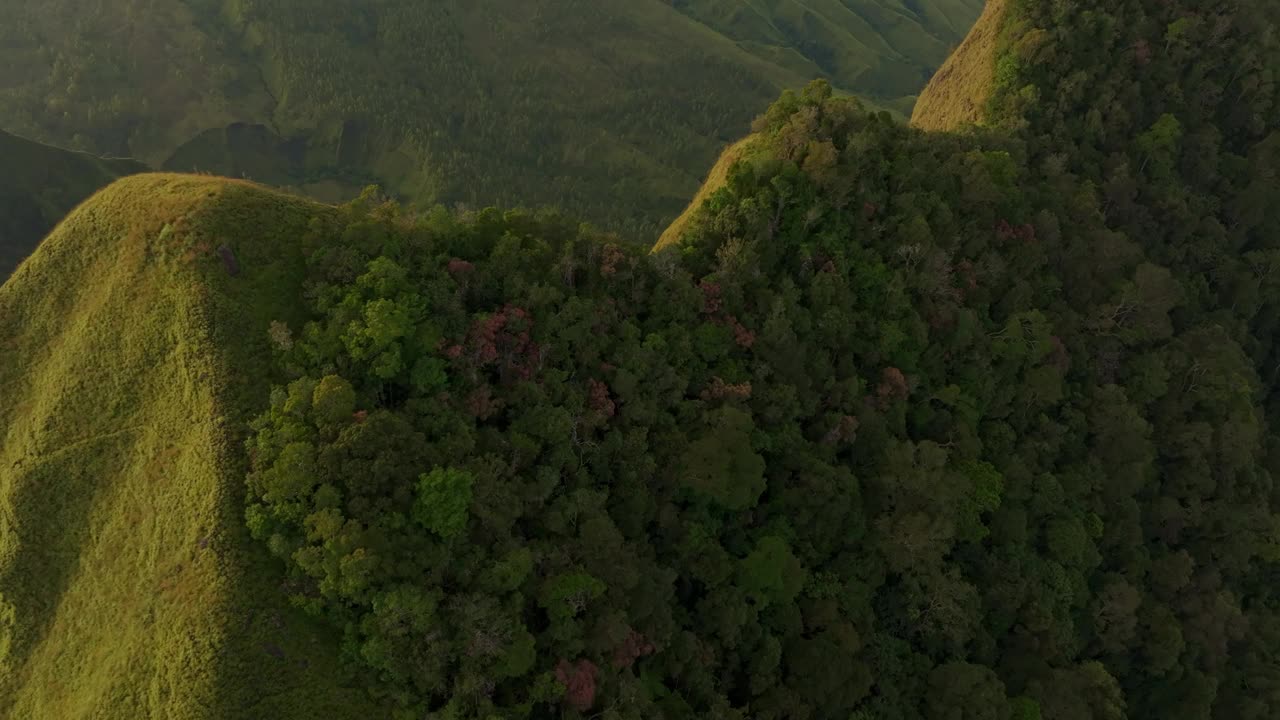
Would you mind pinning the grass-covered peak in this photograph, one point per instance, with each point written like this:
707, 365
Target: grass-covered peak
131, 356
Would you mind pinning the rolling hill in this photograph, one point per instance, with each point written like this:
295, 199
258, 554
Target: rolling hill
970, 419
41, 185
609, 108
957, 94
128, 588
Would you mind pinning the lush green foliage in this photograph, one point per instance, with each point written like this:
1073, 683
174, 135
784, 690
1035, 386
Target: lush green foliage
39, 186
907, 425
612, 109
899, 425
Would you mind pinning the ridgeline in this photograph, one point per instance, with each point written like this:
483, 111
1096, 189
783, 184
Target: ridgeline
610, 109
966, 419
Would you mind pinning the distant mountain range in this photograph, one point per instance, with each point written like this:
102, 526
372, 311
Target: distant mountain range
609, 108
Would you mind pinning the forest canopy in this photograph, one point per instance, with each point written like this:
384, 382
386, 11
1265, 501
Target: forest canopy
941, 425
964, 424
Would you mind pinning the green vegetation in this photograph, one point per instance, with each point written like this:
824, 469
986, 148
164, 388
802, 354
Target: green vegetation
882, 50
128, 587
958, 93
925, 403
892, 424
611, 109
40, 185
740, 151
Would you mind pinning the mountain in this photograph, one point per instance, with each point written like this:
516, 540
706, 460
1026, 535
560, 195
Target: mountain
958, 92
127, 584
882, 50
41, 185
955, 96
973, 422
609, 108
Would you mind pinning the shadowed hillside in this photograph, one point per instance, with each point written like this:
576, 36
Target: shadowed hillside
39, 186
883, 50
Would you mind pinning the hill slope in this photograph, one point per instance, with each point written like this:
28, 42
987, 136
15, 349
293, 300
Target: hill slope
957, 94
610, 108
883, 50
1138, 142
41, 184
903, 425
126, 586
735, 153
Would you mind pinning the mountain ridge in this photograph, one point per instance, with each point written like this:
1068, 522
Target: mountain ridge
134, 594
610, 109
980, 412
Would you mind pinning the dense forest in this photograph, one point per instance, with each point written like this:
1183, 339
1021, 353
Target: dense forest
966, 423
956, 425
611, 109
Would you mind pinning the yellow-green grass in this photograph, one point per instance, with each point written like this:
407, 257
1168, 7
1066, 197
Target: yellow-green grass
716, 179
129, 361
958, 93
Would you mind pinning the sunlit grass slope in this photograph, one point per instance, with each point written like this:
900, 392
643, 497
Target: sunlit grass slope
736, 152
956, 95
958, 92
128, 585
39, 185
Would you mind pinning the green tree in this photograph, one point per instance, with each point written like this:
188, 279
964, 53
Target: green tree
721, 466
443, 501
771, 573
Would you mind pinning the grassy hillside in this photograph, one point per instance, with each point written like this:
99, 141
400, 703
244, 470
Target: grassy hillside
127, 586
40, 185
735, 153
958, 93
609, 108
955, 96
